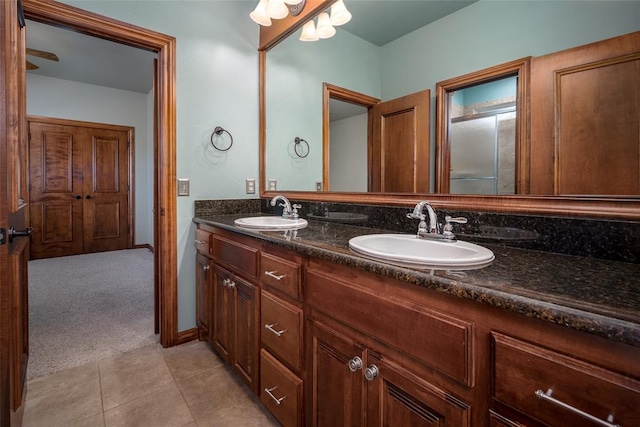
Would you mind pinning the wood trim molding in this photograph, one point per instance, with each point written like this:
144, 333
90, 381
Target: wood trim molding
189, 335
92, 24
144, 246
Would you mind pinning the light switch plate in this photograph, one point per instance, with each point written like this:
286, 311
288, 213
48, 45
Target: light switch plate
183, 186
272, 185
250, 186
318, 186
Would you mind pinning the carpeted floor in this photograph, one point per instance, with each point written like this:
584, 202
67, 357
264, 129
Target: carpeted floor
84, 308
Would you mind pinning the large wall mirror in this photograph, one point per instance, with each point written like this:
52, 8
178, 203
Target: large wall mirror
388, 51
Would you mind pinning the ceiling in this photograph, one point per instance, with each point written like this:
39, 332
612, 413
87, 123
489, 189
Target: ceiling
100, 62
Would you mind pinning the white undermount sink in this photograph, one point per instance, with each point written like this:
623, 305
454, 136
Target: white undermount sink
271, 223
409, 250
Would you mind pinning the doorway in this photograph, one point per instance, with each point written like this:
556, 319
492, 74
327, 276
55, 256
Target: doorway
164, 217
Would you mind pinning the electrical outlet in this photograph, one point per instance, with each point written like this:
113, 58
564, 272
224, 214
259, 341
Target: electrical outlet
183, 186
318, 186
251, 186
272, 185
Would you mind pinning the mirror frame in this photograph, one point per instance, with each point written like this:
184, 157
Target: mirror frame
625, 208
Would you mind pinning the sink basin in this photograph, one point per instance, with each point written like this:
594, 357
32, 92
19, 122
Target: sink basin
409, 250
343, 217
271, 223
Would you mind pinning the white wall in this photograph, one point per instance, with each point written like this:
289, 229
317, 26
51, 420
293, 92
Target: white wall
348, 154
65, 99
216, 85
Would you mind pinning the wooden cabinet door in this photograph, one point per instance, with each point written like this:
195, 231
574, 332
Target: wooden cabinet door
57, 194
105, 156
336, 392
395, 397
245, 330
204, 295
221, 337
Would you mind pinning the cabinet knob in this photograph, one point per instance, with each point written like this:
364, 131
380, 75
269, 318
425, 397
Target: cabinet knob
371, 373
355, 364
206, 267
228, 283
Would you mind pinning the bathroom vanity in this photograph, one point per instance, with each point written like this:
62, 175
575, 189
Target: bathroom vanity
326, 337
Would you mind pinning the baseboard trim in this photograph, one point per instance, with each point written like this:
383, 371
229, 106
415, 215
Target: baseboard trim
145, 246
187, 336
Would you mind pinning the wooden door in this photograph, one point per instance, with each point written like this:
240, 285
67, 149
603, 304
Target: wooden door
80, 187
336, 392
245, 330
105, 155
222, 313
14, 324
399, 151
396, 397
585, 119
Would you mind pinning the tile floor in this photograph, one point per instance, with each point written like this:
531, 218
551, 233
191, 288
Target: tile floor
187, 385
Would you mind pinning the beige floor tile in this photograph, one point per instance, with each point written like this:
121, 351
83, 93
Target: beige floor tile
132, 375
194, 358
213, 390
251, 414
59, 399
166, 407
95, 421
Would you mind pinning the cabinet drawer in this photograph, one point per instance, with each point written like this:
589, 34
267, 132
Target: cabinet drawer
436, 339
521, 368
242, 258
282, 329
202, 241
280, 391
281, 275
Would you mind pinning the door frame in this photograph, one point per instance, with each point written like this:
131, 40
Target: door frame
165, 212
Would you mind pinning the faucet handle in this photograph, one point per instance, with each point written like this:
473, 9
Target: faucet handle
294, 210
448, 227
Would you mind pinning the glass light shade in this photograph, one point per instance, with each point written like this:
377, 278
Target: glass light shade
325, 29
277, 9
293, 2
339, 13
259, 14
309, 32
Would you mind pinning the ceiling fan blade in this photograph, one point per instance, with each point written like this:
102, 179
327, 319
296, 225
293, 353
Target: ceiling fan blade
42, 54
31, 66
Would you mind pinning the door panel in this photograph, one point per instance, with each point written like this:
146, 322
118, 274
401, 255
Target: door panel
399, 154
55, 170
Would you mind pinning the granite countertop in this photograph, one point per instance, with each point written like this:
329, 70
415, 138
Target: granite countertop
590, 295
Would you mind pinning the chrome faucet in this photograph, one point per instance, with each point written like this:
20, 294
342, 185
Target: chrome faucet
288, 210
432, 230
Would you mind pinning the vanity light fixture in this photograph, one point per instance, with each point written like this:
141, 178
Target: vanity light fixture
266, 10
325, 28
309, 33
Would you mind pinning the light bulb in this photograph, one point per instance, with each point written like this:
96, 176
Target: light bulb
259, 14
277, 9
339, 13
293, 2
325, 29
309, 32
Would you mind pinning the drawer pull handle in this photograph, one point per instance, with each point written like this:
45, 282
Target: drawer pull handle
275, 399
547, 396
276, 333
200, 242
274, 275
355, 364
371, 373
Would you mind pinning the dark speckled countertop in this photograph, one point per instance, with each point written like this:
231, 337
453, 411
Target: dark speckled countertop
591, 295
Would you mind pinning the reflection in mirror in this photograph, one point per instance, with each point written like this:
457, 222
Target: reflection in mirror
482, 136
348, 130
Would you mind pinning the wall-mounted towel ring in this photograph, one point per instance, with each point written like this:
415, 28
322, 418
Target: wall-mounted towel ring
299, 148
217, 132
